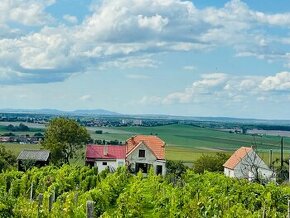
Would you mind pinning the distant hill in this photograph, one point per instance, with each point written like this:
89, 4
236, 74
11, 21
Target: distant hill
60, 112
95, 112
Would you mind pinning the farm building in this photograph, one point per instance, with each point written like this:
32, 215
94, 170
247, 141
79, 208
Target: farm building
246, 163
29, 158
139, 153
105, 156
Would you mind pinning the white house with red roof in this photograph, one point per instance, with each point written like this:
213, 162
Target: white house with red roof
145, 151
139, 153
106, 156
246, 163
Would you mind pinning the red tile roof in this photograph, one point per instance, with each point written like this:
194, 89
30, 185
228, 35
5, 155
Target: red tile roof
153, 142
114, 152
239, 154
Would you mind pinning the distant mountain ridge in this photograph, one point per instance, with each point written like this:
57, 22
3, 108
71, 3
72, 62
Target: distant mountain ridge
102, 112
60, 112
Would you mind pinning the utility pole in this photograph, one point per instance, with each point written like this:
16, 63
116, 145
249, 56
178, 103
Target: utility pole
270, 158
282, 150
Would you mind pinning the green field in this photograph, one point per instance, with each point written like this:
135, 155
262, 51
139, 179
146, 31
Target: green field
17, 148
188, 143
185, 142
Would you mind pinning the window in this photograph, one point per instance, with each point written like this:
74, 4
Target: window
105, 163
141, 153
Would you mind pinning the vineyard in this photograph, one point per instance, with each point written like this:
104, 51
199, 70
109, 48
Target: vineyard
64, 192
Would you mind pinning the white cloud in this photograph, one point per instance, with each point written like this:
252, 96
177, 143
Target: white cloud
206, 86
130, 62
86, 97
223, 88
137, 76
189, 68
26, 12
278, 82
121, 33
71, 19
156, 23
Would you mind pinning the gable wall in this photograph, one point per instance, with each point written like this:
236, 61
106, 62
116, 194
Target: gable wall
150, 158
243, 169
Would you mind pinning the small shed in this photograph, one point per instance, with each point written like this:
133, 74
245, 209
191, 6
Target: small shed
29, 158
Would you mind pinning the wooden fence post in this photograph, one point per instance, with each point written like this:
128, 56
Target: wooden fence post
76, 198
288, 208
31, 192
51, 200
90, 209
40, 199
264, 213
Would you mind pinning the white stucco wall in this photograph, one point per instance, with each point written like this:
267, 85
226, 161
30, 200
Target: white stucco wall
149, 158
246, 167
229, 172
113, 164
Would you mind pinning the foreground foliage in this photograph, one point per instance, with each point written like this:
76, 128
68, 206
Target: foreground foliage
120, 194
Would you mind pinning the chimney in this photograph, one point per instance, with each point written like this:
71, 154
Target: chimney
105, 150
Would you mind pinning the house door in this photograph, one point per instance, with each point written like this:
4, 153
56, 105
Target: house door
142, 166
159, 170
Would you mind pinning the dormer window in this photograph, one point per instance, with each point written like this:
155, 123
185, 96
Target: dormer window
141, 153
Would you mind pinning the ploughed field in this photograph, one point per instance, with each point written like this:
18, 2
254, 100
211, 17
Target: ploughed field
184, 142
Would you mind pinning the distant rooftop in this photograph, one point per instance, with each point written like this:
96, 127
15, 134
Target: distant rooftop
239, 154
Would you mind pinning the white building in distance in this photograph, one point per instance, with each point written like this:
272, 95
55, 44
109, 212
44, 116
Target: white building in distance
246, 163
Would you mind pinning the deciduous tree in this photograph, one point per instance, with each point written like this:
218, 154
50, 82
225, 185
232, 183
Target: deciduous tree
63, 138
211, 163
7, 159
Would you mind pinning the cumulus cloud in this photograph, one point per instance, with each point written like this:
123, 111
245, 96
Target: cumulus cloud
206, 86
26, 12
226, 88
121, 33
156, 23
71, 19
278, 82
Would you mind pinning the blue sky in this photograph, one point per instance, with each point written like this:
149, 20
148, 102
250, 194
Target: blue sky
193, 58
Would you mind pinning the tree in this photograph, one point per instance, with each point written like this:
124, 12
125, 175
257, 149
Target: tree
176, 168
99, 131
7, 159
63, 138
254, 168
38, 134
211, 163
22, 128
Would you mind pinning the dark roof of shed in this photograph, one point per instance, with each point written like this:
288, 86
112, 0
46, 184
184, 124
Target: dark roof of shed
38, 155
